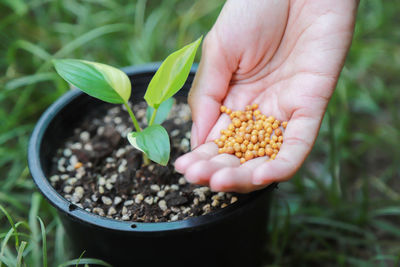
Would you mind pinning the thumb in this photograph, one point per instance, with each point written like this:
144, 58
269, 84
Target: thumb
209, 89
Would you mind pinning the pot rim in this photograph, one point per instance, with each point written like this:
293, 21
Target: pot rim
95, 220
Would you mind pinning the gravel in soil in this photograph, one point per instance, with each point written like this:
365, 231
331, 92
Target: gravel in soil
99, 171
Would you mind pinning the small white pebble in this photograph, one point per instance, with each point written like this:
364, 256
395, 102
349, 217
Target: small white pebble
113, 178
61, 169
117, 200
88, 147
109, 186
215, 203
163, 205
149, 200
205, 189
187, 135
174, 187
99, 211
107, 119
110, 160
101, 189
94, 198
186, 210
106, 200
75, 198
67, 152
207, 208
76, 146
155, 187
79, 190
124, 210
84, 136
120, 152
73, 160
117, 120
70, 168
224, 205
67, 189
215, 197
196, 201
139, 198
128, 203
185, 144
61, 161
121, 168
54, 178
64, 177
174, 218
175, 209
161, 193
182, 181
174, 133
101, 181
233, 199
100, 130
125, 218
111, 211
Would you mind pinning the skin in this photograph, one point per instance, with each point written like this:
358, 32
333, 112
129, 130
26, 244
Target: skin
286, 56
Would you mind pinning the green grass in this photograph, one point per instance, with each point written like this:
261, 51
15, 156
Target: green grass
341, 209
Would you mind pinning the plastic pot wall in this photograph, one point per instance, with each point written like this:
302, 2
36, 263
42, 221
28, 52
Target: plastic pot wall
233, 236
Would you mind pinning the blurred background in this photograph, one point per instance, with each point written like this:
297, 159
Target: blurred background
341, 209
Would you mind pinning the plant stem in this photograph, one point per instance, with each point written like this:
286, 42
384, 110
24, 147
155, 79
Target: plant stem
135, 122
146, 160
153, 116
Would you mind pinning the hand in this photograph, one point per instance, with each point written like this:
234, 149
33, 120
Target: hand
286, 56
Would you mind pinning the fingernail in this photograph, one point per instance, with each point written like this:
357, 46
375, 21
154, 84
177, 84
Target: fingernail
193, 137
257, 181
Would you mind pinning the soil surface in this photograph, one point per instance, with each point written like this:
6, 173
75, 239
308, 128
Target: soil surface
99, 171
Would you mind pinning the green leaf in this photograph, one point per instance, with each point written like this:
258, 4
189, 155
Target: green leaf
98, 80
154, 142
44, 243
171, 75
162, 111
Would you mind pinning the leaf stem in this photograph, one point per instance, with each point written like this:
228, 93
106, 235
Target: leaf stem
135, 122
153, 116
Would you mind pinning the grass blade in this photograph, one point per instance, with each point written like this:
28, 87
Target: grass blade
85, 261
59, 250
20, 253
30, 79
6, 261
10, 220
89, 36
44, 243
33, 213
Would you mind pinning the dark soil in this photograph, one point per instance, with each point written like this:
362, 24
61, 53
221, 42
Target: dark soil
99, 171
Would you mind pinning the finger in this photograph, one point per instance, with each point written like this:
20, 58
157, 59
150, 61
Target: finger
201, 171
203, 152
298, 140
237, 179
209, 88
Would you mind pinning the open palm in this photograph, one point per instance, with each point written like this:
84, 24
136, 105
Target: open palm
286, 56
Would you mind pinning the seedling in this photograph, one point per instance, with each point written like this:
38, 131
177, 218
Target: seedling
112, 85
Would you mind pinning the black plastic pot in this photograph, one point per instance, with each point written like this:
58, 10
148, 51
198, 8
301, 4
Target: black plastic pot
233, 236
